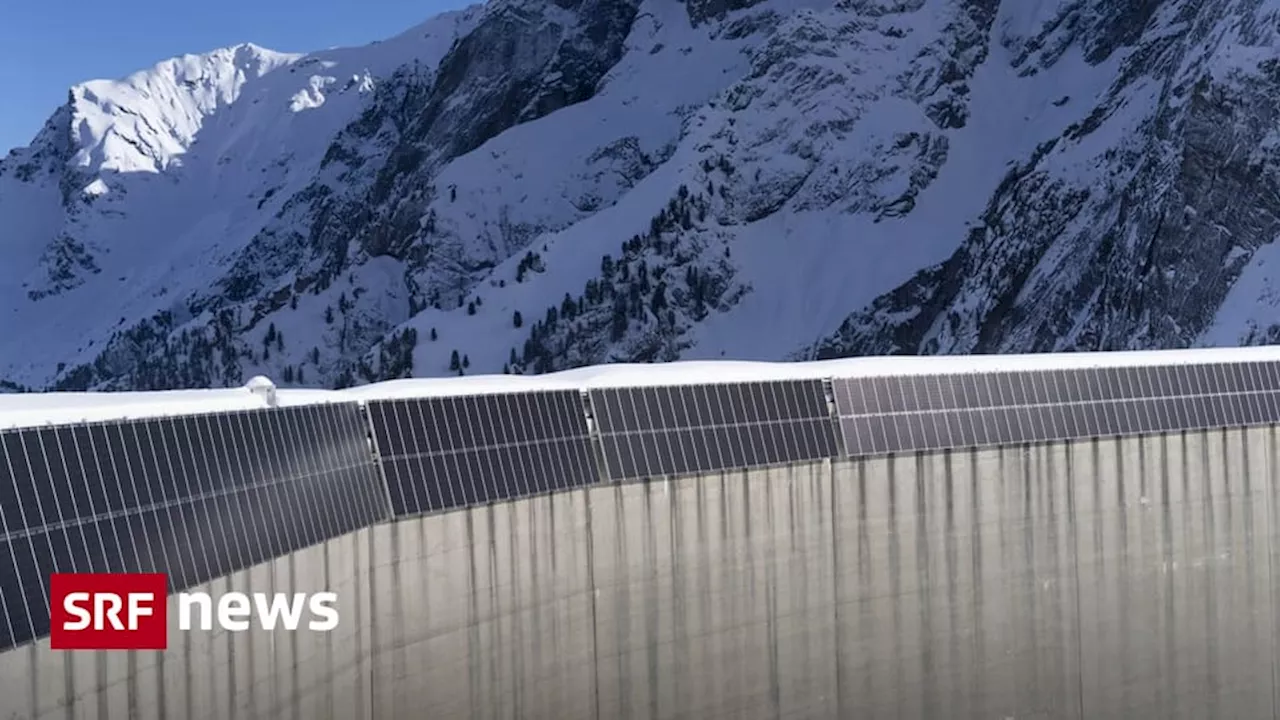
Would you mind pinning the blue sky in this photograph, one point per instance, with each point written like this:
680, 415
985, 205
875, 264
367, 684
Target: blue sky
48, 46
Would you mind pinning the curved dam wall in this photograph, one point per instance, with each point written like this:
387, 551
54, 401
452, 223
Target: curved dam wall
1101, 577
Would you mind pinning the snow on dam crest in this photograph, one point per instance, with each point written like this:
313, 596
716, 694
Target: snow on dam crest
32, 409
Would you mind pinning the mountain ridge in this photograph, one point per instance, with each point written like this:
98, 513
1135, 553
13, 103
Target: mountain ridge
521, 187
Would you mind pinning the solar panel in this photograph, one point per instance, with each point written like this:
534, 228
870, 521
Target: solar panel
689, 429
450, 452
195, 497
916, 413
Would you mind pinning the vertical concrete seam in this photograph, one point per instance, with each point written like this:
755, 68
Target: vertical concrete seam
132, 683
189, 675
69, 685
295, 675
328, 637
100, 660
835, 586
397, 646
1271, 562
1073, 512
250, 657
33, 690
473, 615
364, 677
595, 593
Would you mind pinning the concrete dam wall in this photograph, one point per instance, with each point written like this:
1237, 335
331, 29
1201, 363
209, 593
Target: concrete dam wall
1109, 579
1098, 577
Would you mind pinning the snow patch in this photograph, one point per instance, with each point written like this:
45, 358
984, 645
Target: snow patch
1252, 305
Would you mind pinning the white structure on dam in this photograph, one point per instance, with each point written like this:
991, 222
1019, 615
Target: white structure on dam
1088, 536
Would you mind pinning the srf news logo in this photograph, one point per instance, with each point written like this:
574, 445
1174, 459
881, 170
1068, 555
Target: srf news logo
119, 611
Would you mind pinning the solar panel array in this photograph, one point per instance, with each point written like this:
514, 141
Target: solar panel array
196, 497
449, 452
655, 431
201, 496
931, 412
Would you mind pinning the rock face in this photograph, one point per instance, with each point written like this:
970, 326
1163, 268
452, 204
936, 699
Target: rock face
533, 185
1130, 229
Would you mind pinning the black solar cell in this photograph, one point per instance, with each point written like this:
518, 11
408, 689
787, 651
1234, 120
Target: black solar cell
925, 430
1161, 418
1147, 382
716, 427
882, 435
1269, 375
1235, 378
928, 395
1007, 389
1025, 425
36, 494
854, 430
891, 393
880, 394
965, 389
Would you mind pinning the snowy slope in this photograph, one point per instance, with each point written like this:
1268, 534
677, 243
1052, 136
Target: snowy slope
535, 186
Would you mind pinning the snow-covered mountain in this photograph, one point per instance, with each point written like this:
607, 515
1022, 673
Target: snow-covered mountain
539, 184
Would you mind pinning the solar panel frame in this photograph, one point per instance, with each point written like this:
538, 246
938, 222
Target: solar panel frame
716, 426
195, 497
449, 452
1051, 405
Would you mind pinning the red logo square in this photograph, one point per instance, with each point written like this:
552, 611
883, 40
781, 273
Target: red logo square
108, 611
